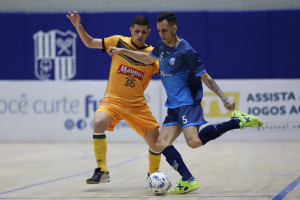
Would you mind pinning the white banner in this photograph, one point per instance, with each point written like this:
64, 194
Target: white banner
64, 111
276, 102
59, 111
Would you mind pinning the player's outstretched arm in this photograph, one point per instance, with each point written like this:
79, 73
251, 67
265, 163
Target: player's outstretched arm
213, 86
89, 41
137, 55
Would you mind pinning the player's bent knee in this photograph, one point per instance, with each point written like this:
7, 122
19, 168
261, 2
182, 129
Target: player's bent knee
99, 129
155, 149
99, 121
194, 144
99, 125
160, 146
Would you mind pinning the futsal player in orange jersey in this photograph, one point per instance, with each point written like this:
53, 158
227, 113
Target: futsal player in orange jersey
124, 97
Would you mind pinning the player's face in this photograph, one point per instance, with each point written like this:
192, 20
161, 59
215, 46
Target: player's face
167, 32
139, 34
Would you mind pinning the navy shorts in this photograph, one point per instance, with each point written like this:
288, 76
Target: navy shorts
189, 115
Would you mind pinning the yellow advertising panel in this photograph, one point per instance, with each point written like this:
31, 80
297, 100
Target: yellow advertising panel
213, 106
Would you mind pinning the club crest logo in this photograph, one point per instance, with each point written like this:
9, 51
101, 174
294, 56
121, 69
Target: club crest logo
172, 61
55, 55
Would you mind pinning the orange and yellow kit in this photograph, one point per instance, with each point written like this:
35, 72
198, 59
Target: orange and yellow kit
124, 97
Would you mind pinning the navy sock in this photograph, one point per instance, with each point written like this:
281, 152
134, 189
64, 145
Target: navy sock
214, 131
173, 157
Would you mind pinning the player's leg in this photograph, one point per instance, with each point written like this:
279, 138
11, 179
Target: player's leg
153, 155
140, 119
167, 136
238, 120
191, 136
187, 182
191, 117
170, 131
214, 131
101, 122
195, 139
106, 117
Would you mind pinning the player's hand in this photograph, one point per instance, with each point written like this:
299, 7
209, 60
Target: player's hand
113, 50
74, 18
229, 104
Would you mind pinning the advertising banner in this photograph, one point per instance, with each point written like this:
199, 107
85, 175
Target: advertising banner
275, 102
64, 111
59, 111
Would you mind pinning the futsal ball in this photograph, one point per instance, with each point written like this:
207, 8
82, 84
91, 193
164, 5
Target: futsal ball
159, 182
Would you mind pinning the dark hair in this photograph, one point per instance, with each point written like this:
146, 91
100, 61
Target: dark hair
140, 20
169, 16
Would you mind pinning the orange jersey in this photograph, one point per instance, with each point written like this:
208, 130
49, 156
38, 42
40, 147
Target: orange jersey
128, 78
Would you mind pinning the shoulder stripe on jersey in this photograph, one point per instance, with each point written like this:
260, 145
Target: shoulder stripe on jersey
103, 45
122, 44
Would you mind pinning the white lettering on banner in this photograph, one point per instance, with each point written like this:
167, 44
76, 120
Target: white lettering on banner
277, 103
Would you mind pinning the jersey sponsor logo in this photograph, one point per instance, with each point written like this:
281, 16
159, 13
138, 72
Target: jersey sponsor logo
213, 105
163, 74
55, 55
131, 72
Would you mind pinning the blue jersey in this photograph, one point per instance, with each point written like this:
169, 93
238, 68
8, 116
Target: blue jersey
180, 69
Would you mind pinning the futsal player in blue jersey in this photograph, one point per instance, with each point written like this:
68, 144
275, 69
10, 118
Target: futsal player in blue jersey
182, 73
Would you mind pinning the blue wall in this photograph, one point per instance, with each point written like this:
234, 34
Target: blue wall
263, 44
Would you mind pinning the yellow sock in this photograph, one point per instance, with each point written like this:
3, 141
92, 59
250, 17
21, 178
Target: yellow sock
100, 147
154, 161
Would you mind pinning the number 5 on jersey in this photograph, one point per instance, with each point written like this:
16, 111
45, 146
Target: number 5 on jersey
184, 119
